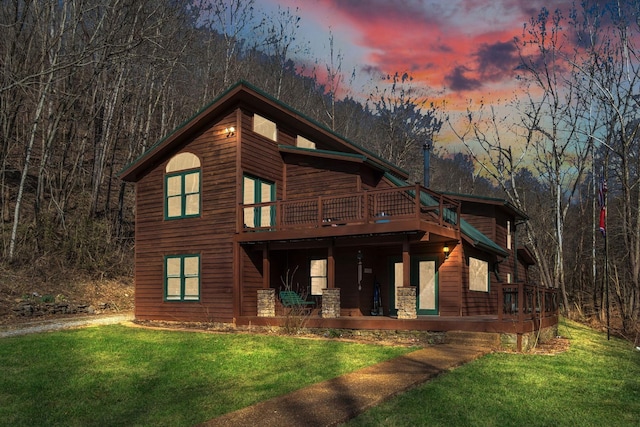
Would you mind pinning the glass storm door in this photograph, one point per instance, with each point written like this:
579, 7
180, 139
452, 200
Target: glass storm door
425, 276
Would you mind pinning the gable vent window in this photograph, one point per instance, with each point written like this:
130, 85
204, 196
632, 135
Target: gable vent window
303, 142
182, 187
265, 127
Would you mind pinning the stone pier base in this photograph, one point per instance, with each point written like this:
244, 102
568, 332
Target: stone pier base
266, 302
407, 303
331, 303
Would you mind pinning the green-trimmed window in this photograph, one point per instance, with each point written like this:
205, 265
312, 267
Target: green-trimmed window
256, 190
182, 187
182, 278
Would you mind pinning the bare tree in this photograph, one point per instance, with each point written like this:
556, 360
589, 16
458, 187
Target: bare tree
405, 121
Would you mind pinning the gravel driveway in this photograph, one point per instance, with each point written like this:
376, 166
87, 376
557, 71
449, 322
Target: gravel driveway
66, 323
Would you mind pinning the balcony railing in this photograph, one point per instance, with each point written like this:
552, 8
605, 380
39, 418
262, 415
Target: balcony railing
522, 302
366, 207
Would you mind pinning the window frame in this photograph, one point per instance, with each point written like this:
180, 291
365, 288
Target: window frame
303, 142
487, 280
183, 278
183, 195
259, 131
257, 194
312, 277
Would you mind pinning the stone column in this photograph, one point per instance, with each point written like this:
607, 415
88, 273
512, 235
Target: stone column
407, 303
331, 303
266, 302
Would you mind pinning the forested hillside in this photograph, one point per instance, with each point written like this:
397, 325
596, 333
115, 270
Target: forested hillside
86, 86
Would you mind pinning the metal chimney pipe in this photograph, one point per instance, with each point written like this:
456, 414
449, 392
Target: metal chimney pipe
426, 152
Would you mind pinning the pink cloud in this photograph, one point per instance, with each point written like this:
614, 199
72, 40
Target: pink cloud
465, 46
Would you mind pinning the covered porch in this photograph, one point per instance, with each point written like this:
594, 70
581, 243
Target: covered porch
522, 310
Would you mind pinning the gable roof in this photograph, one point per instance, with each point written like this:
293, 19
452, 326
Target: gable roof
501, 203
244, 94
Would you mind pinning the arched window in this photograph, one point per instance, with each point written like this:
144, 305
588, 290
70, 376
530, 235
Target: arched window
182, 186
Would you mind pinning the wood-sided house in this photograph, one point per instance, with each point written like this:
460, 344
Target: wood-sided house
250, 197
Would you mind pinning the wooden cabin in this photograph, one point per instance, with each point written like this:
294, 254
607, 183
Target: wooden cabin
250, 198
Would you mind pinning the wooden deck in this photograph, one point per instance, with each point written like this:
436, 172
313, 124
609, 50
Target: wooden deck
373, 211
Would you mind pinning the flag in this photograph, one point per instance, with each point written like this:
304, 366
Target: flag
602, 199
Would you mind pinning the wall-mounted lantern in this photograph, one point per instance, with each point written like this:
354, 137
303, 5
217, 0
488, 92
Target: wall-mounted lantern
446, 250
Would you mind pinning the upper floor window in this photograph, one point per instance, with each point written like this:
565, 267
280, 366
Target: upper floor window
303, 142
257, 191
182, 186
265, 127
508, 234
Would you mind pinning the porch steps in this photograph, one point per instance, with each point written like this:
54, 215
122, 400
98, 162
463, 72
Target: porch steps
486, 340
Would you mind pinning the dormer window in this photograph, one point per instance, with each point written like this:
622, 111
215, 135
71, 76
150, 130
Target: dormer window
265, 127
303, 142
182, 187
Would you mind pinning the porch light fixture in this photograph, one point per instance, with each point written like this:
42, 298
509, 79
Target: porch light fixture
445, 250
230, 131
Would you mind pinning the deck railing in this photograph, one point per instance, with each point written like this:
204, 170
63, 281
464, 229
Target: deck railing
522, 302
366, 207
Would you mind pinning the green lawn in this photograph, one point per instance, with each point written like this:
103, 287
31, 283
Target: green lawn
116, 375
595, 383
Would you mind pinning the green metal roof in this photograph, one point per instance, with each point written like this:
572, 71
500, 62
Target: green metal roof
494, 200
477, 238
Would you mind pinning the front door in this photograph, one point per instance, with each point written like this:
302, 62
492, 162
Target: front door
424, 275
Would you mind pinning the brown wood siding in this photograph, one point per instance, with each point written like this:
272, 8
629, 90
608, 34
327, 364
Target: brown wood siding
450, 283
209, 235
481, 217
477, 302
251, 280
303, 181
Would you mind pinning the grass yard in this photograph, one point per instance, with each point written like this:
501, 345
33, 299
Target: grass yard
117, 375
595, 383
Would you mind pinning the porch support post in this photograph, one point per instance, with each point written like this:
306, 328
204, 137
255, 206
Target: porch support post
266, 267
331, 267
406, 264
500, 301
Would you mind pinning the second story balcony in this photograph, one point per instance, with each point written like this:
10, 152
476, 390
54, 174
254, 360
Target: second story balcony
394, 210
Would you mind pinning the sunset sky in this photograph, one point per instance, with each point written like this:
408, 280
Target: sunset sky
462, 49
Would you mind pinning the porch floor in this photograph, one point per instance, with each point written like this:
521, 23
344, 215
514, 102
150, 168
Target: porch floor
483, 323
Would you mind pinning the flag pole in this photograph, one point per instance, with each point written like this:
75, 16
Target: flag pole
602, 198
606, 280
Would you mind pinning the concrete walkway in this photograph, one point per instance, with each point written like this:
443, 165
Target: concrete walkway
337, 400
